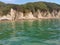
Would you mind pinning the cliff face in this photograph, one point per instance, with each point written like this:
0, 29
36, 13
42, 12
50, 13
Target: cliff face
21, 15
58, 14
29, 15
39, 14
14, 15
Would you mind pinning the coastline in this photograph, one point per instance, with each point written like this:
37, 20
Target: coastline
28, 19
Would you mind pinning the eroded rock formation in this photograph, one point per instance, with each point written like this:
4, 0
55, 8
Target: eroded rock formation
39, 15
14, 15
29, 15
21, 15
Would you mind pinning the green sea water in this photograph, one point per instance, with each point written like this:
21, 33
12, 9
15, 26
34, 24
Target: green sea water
30, 32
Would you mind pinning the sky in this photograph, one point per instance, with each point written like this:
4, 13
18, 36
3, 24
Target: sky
26, 1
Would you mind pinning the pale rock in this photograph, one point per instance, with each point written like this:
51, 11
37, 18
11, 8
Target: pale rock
21, 15
29, 16
39, 14
58, 15
54, 13
4, 18
13, 13
49, 15
9, 16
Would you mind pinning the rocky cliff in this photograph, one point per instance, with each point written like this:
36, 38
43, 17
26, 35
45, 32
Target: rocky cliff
34, 10
14, 15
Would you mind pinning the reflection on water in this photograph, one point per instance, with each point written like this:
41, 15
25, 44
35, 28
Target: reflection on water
30, 32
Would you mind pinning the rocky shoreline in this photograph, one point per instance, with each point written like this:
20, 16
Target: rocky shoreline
14, 15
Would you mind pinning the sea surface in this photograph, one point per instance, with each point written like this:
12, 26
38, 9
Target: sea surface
30, 32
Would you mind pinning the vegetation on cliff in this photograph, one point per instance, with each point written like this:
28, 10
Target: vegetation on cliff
42, 6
